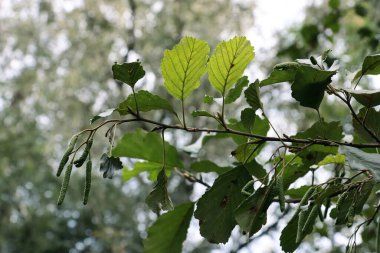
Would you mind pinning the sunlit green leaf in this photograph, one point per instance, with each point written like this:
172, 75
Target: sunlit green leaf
215, 208
146, 101
184, 65
158, 198
228, 63
140, 167
335, 159
147, 146
128, 73
167, 234
283, 72
235, 92
309, 85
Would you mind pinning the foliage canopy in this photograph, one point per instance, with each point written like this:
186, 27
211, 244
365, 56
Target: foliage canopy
243, 192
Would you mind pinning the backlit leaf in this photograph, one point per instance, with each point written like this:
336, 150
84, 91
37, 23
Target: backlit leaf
184, 65
228, 63
140, 167
167, 234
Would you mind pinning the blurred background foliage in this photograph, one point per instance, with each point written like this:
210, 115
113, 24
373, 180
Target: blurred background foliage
55, 59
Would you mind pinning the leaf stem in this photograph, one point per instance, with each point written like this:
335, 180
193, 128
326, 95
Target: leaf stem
134, 97
183, 114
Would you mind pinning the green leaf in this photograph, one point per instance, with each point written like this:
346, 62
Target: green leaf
248, 118
209, 100
297, 193
235, 92
102, 115
288, 238
283, 72
251, 214
167, 234
228, 63
215, 208
246, 152
294, 170
146, 146
256, 170
108, 165
309, 85
252, 94
372, 118
159, 198
184, 65
358, 160
146, 102
202, 114
368, 98
208, 166
128, 73
140, 167
333, 159
371, 65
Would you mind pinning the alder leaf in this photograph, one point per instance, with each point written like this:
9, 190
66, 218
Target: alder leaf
146, 102
228, 63
102, 115
283, 72
159, 198
202, 114
184, 65
368, 98
251, 214
309, 85
371, 65
140, 167
215, 208
147, 146
234, 93
252, 94
167, 234
371, 118
206, 166
128, 73
108, 165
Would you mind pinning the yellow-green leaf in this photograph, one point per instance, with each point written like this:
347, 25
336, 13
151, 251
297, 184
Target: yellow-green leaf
228, 63
184, 65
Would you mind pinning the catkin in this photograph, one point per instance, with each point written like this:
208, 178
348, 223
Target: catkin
87, 185
66, 155
311, 218
79, 162
65, 184
281, 194
301, 221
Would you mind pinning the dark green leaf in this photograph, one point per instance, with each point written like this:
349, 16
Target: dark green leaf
309, 85
252, 94
368, 98
251, 214
147, 146
159, 198
108, 165
297, 193
371, 65
248, 118
146, 101
246, 152
128, 73
235, 92
256, 170
167, 234
208, 166
358, 160
294, 170
215, 208
283, 72
102, 115
372, 119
